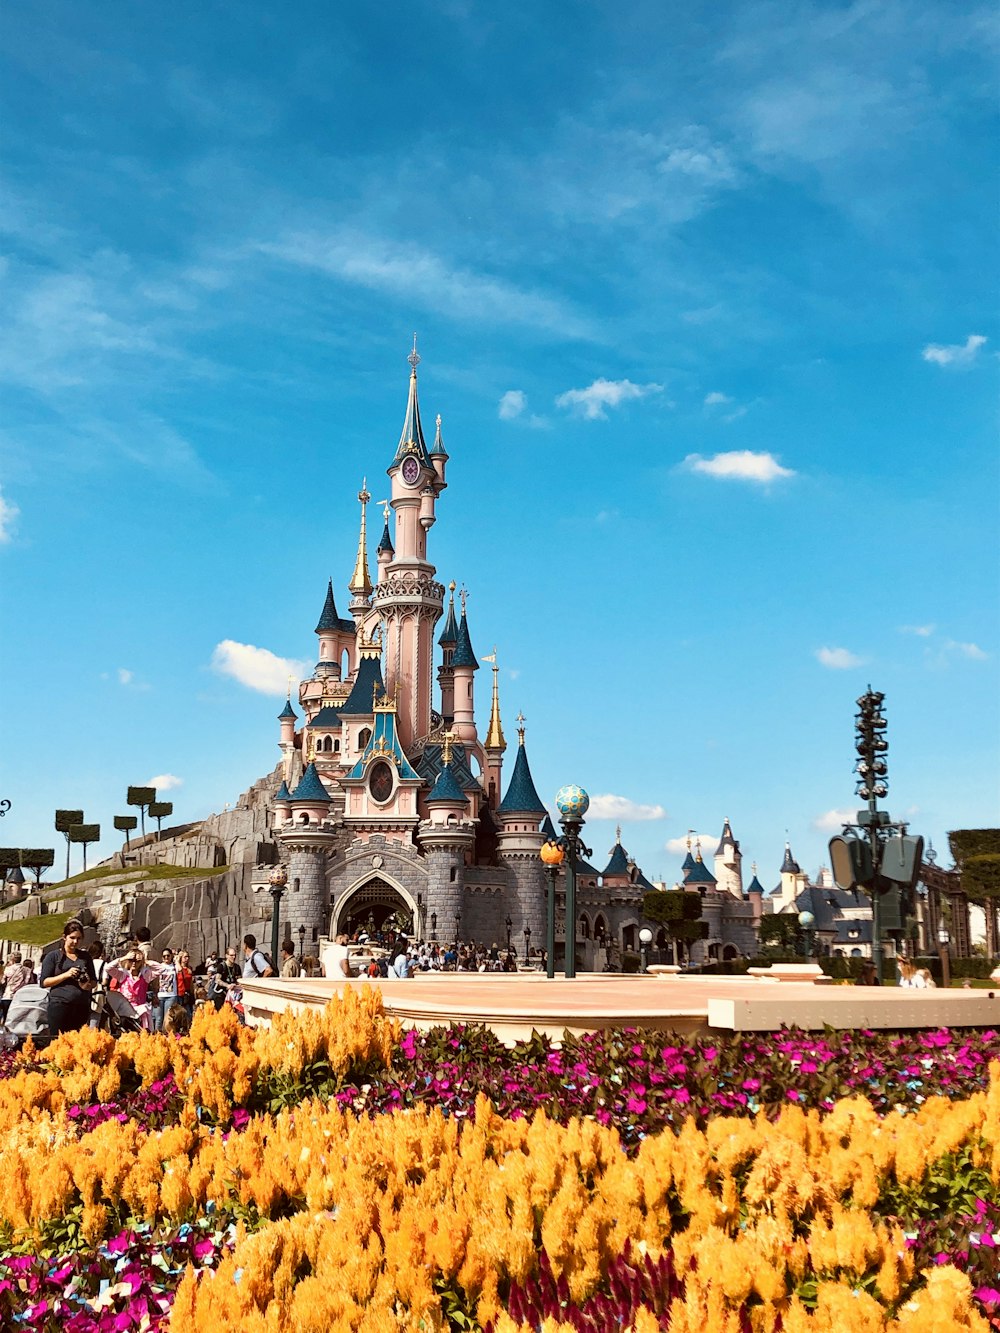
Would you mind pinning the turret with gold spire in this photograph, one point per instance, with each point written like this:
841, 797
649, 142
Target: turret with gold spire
495, 743
360, 586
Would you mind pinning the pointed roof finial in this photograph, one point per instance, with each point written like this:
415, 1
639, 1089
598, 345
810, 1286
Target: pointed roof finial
414, 358
361, 583
447, 741
463, 593
438, 450
411, 439
618, 833
520, 719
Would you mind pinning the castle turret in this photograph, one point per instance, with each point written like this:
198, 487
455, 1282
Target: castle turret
495, 744
385, 550
793, 879
519, 817
287, 717
464, 666
755, 895
447, 838
729, 863
446, 672
335, 636
439, 455
306, 838
407, 599
360, 586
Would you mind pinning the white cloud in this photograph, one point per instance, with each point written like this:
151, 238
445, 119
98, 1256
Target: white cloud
621, 808
592, 401
955, 354
679, 846
165, 782
971, 650
124, 676
831, 821
8, 513
922, 631
512, 404
717, 399
257, 668
838, 659
739, 465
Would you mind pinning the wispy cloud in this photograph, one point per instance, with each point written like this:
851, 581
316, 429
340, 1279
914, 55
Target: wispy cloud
165, 782
620, 808
257, 668
8, 517
593, 401
838, 659
921, 631
717, 399
513, 406
831, 821
418, 276
956, 356
970, 650
124, 676
740, 465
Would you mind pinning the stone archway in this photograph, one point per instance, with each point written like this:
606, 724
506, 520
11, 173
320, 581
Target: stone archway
374, 905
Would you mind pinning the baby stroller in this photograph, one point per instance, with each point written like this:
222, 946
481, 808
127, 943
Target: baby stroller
28, 1015
118, 1016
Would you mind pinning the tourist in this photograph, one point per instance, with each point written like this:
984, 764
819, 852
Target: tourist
185, 981
68, 976
133, 977
227, 974
926, 979
255, 961
867, 975
178, 1022
15, 975
339, 957
289, 963
401, 964
165, 973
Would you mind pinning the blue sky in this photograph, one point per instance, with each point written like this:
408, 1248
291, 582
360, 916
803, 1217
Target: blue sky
707, 302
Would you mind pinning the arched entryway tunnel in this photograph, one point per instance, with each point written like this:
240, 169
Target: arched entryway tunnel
376, 906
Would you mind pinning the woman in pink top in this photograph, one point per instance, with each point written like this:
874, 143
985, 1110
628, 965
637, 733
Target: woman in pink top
133, 975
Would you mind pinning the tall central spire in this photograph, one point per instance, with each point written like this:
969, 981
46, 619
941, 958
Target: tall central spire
361, 583
411, 439
494, 735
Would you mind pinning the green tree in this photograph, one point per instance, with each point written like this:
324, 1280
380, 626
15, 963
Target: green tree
85, 834
65, 819
38, 859
159, 810
679, 912
10, 859
781, 931
125, 824
141, 796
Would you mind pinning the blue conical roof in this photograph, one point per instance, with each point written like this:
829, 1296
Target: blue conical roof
449, 634
411, 439
446, 789
521, 796
689, 862
439, 450
789, 865
618, 865
700, 874
463, 655
386, 543
328, 616
328, 716
310, 788
755, 886
548, 829
283, 794
359, 703
287, 711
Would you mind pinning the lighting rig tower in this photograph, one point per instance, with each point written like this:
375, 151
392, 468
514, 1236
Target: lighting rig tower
874, 854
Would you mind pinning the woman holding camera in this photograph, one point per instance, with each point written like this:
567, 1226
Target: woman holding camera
68, 976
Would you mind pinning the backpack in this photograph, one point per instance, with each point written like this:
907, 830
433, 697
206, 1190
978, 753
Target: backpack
260, 953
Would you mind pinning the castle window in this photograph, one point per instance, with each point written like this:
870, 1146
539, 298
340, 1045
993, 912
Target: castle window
454, 874
380, 782
364, 736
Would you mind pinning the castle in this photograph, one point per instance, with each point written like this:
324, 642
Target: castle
390, 809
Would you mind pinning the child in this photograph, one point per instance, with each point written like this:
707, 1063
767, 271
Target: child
133, 975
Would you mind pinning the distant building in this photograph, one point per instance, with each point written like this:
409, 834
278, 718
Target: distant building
842, 919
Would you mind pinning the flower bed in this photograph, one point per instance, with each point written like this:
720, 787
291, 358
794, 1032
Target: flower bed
336, 1172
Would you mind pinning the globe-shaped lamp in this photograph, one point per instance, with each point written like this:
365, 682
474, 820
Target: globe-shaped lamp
806, 919
278, 877
572, 801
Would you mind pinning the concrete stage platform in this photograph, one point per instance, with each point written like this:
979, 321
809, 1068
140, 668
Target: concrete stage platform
514, 1005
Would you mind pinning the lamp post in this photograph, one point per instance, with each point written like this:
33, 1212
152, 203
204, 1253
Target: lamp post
645, 940
527, 944
807, 921
434, 925
508, 923
302, 945
572, 802
458, 924
552, 856
276, 880
944, 939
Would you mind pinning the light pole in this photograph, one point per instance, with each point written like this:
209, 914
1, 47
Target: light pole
434, 926
807, 921
302, 945
458, 923
944, 939
645, 940
527, 944
508, 923
572, 802
552, 856
276, 880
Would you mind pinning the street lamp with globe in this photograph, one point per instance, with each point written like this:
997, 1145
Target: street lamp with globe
276, 882
645, 940
807, 921
572, 802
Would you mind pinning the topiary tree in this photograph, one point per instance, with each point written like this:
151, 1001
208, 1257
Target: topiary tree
781, 931
65, 819
85, 834
679, 912
38, 859
10, 859
977, 858
141, 796
125, 824
159, 810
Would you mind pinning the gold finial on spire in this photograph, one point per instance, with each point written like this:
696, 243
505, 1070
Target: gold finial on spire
618, 834
447, 741
385, 510
520, 719
463, 593
361, 582
494, 735
291, 682
413, 358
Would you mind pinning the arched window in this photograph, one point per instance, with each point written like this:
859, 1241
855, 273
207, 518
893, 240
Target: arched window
628, 938
364, 736
585, 926
336, 747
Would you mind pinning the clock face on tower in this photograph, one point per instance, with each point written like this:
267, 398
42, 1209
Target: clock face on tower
410, 470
